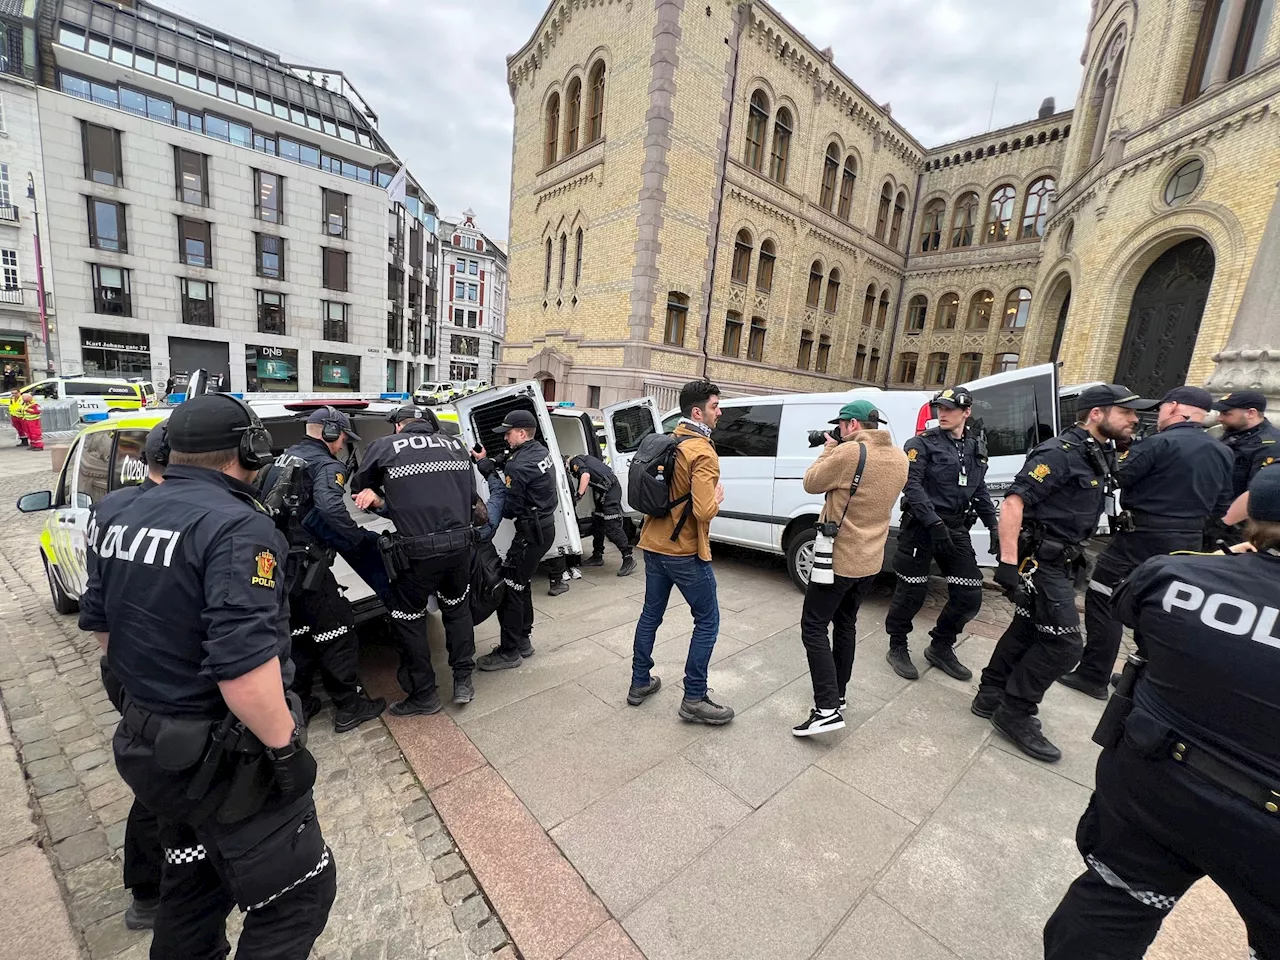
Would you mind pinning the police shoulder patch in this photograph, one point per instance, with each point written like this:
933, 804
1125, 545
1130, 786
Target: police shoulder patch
1123, 456
912, 454
341, 479
265, 569
1039, 472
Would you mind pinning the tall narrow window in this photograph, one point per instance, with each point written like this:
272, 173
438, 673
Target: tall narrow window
755, 340
1005, 362
806, 349
564, 255
107, 225
873, 366
830, 171
980, 310
1017, 307
1219, 57
732, 334
965, 221
860, 363
869, 305
917, 312
970, 367
102, 163
111, 294
935, 212
1000, 215
847, 181
677, 313
815, 286
899, 210
886, 206
546, 283
553, 130
572, 115
824, 354
193, 176
9, 265
270, 256
595, 119
194, 248
271, 312
577, 258
764, 273
757, 123
197, 302
335, 212
935, 375
268, 201
781, 145
948, 311
742, 248
833, 291
883, 316
335, 321
906, 372
334, 269
1036, 213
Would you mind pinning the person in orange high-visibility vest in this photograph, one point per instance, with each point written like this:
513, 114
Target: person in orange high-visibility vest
17, 416
31, 413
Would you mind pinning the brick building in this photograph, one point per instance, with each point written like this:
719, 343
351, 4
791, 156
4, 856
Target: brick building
700, 189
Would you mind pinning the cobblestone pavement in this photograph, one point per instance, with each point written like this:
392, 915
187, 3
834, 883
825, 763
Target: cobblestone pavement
403, 890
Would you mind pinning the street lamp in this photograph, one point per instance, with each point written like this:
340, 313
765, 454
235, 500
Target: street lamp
44, 317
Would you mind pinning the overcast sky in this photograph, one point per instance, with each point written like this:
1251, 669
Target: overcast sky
435, 70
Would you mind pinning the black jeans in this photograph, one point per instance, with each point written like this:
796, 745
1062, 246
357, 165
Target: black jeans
606, 522
1151, 830
911, 564
324, 641
449, 578
1103, 629
831, 660
516, 612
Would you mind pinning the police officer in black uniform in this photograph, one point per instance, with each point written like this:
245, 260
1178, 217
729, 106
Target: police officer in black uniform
426, 481
586, 471
1188, 783
143, 855
1254, 442
1171, 483
946, 489
531, 502
315, 519
194, 621
1051, 509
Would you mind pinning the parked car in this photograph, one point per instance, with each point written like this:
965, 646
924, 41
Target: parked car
97, 393
431, 394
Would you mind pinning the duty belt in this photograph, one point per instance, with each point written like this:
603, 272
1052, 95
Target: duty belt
1152, 521
440, 544
147, 725
1227, 774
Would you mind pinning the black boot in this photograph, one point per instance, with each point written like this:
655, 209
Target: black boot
628, 566
899, 658
556, 588
1024, 730
944, 658
1076, 682
595, 560
360, 710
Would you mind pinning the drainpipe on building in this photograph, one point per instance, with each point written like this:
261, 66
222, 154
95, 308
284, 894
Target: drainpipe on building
902, 284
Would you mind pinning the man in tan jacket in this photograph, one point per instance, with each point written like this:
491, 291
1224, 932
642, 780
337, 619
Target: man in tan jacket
861, 513
677, 552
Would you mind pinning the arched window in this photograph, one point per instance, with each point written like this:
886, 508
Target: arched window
764, 274
830, 171
781, 145
873, 368
860, 363
1017, 306
869, 305
948, 310
1000, 214
815, 285
757, 122
564, 255
833, 291
847, 181
907, 363
732, 334
980, 310
1220, 57
824, 354
1039, 204
806, 349
883, 316
553, 129
964, 221
546, 283
886, 205
935, 212
1005, 362
742, 249
572, 115
935, 374
970, 367
917, 312
677, 313
899, 210
577, 259
755, 341
595, 119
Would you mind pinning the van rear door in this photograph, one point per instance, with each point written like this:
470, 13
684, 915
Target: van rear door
625, 425
480, 413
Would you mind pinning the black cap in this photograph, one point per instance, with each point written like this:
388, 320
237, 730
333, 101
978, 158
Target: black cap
957, 398
211, 421
518, 418
1191, 396
407, 412
155, 452
1243, 400
1264, 496
1112, 395
325, 414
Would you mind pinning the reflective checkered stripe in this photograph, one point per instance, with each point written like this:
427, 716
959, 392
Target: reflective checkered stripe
1157, 901
300, 632
1101, 588
176, 856
608, 516
331, 635
407, 615
905, 579
1053, 631
965, 581
453, 603
435, 466
518, 587
314, 872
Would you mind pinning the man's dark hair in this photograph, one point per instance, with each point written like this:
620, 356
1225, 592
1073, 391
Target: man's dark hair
210, 460
1082, 415
696, 394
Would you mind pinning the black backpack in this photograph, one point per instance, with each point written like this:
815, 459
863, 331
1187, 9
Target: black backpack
652, 468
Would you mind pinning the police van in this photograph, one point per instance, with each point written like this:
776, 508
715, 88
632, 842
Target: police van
95, 394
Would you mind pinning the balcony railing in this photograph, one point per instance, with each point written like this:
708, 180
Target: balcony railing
13, 295
8, 213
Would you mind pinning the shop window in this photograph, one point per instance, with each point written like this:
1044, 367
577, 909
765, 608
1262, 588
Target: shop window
335, 372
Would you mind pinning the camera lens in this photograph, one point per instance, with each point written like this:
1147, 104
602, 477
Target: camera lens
817, 438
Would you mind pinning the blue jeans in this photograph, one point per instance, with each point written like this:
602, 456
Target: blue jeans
697, 582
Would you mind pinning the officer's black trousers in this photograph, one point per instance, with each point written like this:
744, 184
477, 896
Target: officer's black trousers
516, 612
324, 641
449, 578
1151, 830
1042, 641
1103, 629
143, 856
606, 522
911, 564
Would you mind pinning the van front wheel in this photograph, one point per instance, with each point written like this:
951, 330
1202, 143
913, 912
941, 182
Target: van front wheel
800, 557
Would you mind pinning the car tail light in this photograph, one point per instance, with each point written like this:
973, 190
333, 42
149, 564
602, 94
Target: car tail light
923, 418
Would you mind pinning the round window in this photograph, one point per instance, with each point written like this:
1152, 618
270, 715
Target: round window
1184, 182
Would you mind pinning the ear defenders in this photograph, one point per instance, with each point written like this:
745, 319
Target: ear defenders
332, 429
254, 451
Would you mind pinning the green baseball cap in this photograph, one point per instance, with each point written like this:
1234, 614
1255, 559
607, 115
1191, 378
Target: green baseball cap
864, 411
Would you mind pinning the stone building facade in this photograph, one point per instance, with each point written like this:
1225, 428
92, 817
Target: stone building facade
473, 301
698, 189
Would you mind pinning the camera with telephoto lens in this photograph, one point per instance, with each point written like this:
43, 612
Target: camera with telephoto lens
818, 438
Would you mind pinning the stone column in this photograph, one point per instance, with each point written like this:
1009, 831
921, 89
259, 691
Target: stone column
1231, 18
1104, 118
1251, 358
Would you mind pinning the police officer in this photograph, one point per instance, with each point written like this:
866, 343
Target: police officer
1171, 483
194, 621
1254, 441
143, 855
531, 503
425, 480
1207, 699
589, 472
1050, 510
946, 488
316, 521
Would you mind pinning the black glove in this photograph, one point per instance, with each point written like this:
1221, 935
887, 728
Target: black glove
294, 768
486, 467
941, 538
1008, 579
993, 532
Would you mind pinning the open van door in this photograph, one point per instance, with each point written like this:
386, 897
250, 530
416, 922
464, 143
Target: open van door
1018, 410
480, 413
625, 425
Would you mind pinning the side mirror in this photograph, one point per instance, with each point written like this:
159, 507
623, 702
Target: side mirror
36, 502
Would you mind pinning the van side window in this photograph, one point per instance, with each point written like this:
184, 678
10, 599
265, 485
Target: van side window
669, 424
86, 388
630, 426
129, 470
45, 391
63, 495
1016, 416
94, 479
748, 431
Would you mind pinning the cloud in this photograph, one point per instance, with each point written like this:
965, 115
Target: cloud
435, 70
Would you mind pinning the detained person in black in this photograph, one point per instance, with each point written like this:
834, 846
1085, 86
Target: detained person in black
194, 621
1208, 699
592, 473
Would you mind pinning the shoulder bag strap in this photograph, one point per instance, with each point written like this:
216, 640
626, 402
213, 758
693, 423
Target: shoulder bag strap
853, 487
687, 499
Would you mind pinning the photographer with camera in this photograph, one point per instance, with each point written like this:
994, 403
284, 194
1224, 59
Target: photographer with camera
861, 472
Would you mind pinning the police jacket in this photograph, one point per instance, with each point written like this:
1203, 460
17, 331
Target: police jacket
603, 479
946, 477
319, 490
1180, 472
426, 477
193, 591
91, 612
1063, 485
531, 483
1253, 449
1207, 624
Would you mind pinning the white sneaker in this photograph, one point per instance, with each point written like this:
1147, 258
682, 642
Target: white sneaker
565, 576
575, 573
819, 721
